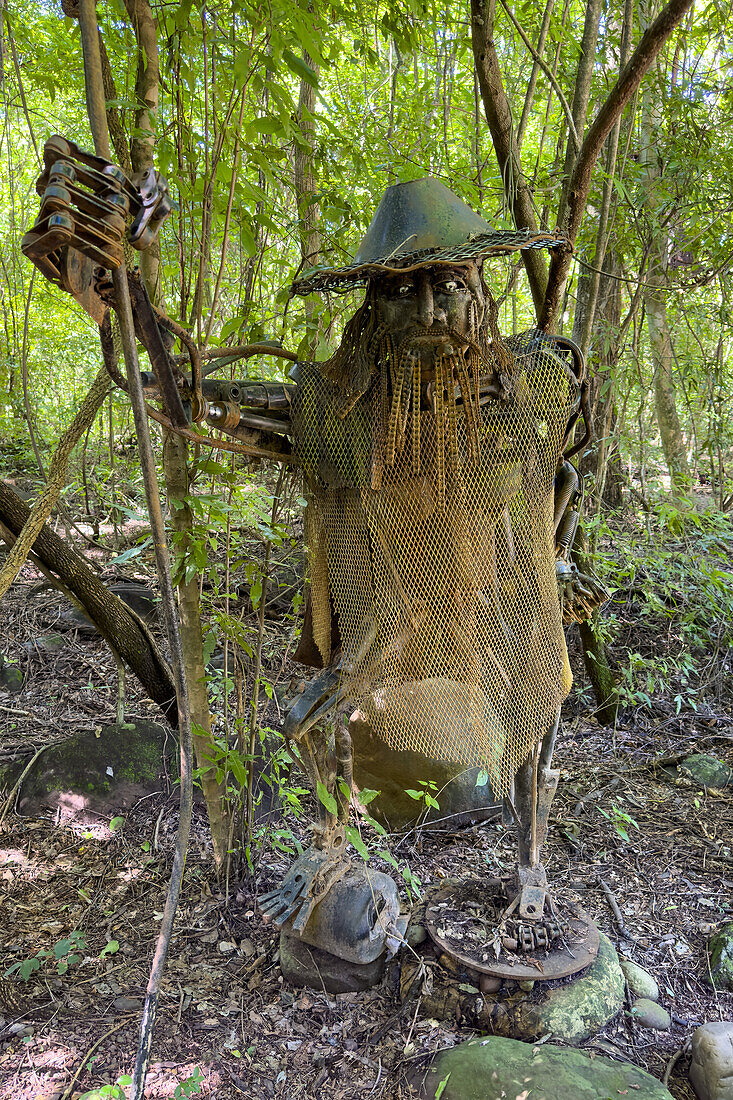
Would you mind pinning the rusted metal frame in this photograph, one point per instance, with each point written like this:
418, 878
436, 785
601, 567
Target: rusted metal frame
580, 371
193, 351
98, 120
147, 320
563, 958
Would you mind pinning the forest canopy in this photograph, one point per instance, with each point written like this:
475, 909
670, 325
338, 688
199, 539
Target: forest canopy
279, 127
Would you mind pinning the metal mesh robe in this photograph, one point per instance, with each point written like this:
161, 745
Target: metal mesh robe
442, 583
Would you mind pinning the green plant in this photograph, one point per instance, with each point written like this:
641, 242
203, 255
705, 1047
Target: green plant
191, 1086
64, 953
620, 820
427, 794
109, 1092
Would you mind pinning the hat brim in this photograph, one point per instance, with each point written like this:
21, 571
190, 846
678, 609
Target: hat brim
498, 242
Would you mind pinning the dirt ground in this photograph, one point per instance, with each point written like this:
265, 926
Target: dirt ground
228, 1024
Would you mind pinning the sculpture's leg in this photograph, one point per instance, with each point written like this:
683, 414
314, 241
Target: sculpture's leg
534, 788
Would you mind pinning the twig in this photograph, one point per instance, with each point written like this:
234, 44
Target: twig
19, 713
613, 906
684, 1049
11, 797
70, 1087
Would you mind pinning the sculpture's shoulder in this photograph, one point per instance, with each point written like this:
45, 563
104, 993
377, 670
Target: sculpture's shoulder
552, 365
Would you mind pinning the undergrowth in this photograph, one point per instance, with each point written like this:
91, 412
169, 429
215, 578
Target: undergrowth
669, 623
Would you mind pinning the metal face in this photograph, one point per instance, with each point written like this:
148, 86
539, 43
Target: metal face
430, 308
568, 954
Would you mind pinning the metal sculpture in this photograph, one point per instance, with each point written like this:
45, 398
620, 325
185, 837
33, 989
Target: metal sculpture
441, 512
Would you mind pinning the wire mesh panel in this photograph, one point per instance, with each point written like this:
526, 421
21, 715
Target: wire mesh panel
430, 539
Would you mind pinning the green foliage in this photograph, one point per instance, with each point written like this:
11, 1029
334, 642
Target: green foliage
64, 953
191, 1086
675, 585
426, 794
620, 820
109, 1092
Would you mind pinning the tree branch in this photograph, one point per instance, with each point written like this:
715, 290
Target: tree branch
550, 76
629, 80
499, 117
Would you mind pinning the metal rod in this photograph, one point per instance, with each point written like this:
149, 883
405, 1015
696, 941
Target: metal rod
98, 121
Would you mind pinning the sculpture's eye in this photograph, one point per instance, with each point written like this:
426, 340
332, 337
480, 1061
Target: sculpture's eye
450, 286
404, 290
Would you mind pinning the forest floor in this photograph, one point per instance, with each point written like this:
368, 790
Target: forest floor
228, 1026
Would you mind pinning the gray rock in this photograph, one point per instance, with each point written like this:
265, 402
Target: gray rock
127, 1004
11, 677
711, 1071
720, 952
707, 770
302, 964
488, 1069
391, 772
650, 1014
91, 774
640, 983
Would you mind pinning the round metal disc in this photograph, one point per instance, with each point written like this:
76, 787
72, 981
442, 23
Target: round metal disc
577, 952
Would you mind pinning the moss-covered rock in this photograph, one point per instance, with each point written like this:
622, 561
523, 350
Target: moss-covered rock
707, 771
97, 771
487, 1069
11, 677
639, 981
572, 1009
720, 951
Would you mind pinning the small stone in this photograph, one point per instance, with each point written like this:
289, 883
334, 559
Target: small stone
127, 1004
720, 951
416, 934
489, 983
650, 1014
707, 771
226, 947
639, 981
526, 987
51, 643
20, 1029
247, 948
711, 1071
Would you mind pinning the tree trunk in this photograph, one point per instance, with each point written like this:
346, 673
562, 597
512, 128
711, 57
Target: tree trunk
109, 614
499, 117
147, 81
175, 450
175, 464
655, 304
309, 213
595, 658
43, 507
578, 189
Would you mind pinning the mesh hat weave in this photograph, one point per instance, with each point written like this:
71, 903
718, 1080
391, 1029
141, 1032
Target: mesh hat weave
419, 224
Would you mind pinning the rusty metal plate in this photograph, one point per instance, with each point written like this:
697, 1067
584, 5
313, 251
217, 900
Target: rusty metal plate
563, 959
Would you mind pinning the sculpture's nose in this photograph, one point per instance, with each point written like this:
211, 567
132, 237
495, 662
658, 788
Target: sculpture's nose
425, 304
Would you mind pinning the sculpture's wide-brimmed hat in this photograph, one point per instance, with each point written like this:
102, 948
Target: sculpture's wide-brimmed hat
419, 224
